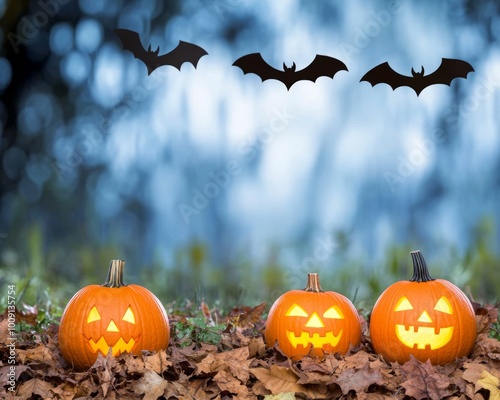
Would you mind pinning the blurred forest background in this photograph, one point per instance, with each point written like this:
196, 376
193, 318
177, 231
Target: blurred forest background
212, 184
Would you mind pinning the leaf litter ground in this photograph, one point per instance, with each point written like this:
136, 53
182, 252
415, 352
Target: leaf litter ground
228, 359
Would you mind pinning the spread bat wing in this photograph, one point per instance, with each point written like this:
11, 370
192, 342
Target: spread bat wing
184, 52
447, 71
255, 64
131, 41
321, 66
383, 73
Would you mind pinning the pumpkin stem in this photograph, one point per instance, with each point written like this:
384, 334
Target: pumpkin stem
313, 283
420, 270
115, 274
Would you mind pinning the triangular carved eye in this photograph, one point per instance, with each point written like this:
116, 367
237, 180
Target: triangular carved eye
403, 304
443, 305
93, 315
333, 312
296, 311
129, 316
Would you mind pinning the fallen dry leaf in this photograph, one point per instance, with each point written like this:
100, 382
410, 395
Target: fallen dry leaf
359, 381
312, 372
241, 367
64, 391
472, 372
490, 383
246, 316
151, 385
229, 383
357, 360
377, 396
281, 396
34, 386
233, 361
39, 354
157, 361
281, 379
423, 381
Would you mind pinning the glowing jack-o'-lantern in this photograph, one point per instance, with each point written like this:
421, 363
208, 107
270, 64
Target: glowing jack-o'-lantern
425, 317
311, 321
112, 318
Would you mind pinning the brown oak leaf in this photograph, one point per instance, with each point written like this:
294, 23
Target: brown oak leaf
234, 361
472, 371
157, 361
375, 396
246, 316
485, 316
103, 368
486, 346
359, 380
151, 385
282, 379
40, 354
65, 391
228, 383
424, 381
312, 372
256, 347
34, 386
357, 360
281, 396
135, 365
195, 389
4, 331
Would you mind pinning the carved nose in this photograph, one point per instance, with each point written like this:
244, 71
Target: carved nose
112, 327
424, 317
315, 321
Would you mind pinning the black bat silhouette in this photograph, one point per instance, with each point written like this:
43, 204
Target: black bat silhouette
184, 52
448, 70
321, 66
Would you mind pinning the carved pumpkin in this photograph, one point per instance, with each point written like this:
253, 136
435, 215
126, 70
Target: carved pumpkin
312, 322
112, 317
425, 317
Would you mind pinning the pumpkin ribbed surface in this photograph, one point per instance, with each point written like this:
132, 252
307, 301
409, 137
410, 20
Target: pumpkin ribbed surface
425, 317
114, 318
312, 322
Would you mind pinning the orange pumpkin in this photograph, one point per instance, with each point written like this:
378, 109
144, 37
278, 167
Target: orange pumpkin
312, 322
424, 317
112, 317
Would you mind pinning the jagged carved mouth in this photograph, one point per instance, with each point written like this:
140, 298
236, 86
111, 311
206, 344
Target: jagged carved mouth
424, 336
121, 346
315, 339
